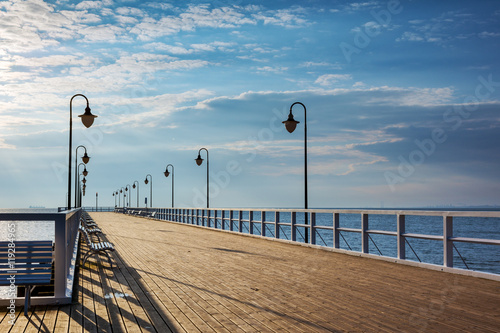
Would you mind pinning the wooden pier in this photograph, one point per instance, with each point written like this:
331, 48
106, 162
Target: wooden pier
171, 277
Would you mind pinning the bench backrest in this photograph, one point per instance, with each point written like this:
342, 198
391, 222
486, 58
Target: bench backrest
25, 262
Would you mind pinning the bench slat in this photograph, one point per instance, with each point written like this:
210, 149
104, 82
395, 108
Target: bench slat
28, 280
16, 259
41, 253
28, 243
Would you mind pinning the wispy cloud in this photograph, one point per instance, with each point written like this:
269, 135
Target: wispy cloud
329, 79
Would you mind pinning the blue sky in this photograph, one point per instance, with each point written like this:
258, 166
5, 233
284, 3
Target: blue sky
402, 101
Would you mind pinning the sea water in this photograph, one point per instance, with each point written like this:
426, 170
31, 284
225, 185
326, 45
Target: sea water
27, 230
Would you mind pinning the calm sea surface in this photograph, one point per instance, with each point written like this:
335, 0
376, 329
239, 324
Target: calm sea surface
29, 230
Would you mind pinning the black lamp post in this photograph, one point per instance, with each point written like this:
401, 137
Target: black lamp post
199, 160
130, 193
87, 120
81, 184
150, 189
121, 191
166, 173
290, 125
115, 198
133, 186
84, 173
85, 160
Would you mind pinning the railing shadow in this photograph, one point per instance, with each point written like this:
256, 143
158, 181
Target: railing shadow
114, 284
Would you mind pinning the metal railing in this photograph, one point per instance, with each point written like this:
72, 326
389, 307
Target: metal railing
65, 249
289, 224
99, 209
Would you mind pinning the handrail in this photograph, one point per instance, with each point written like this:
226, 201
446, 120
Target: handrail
288, 222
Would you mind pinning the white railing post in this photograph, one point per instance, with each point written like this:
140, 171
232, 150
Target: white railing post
293, 232
401, 230
364, 234
447, 243
312, 231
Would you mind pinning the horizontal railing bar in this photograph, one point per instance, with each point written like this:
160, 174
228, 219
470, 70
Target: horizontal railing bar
422, 236
323, 227
30, 216
452, 213
476, 240
349, 229
382, 232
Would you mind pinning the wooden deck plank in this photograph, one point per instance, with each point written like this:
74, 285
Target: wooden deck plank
131, 293
49, 320
89, 321
76, 310
22, 320
63, 318
186, 323
102, 312
36, 321
353, 270
201, 322
178, 278
124, 316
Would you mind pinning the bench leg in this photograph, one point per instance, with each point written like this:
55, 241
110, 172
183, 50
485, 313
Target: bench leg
27, 296
109, 259
86, 256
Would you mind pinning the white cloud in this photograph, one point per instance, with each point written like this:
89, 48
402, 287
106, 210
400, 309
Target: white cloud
411, 37
4, 145
274, 70
130, 11
102, 33
179, 49
289, 18
93, 4
195, 16
329, 79
309, 64
486, 34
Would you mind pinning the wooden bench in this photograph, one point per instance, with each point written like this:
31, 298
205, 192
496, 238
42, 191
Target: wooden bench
96, 247
26, 263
